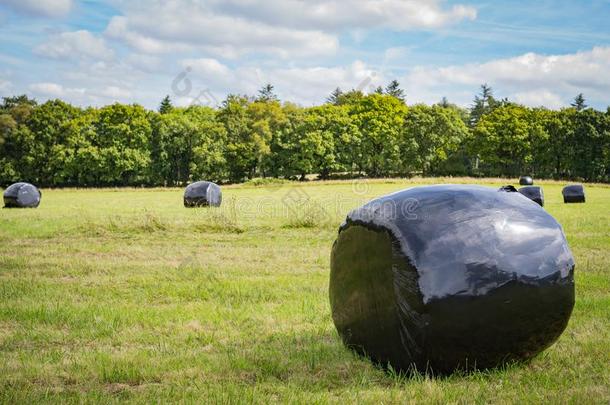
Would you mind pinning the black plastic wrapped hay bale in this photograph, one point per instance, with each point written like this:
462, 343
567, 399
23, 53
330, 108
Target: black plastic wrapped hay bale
574, 193
440, 278
22, 195
534, 193
509, 189
202, 194
526, 181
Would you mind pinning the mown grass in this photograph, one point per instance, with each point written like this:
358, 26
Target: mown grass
123, 294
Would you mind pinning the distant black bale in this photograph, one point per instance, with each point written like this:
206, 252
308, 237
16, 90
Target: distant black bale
509, 188
526, 181
453, 277
22, 195
201, 194
574, 193
534, 193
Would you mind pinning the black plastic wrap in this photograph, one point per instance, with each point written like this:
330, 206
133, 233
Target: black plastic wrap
449, 277
534, 193
573, 193
22, 195
526, 181
201, 194
509, 189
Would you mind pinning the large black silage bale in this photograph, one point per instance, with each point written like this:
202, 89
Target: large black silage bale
449, 277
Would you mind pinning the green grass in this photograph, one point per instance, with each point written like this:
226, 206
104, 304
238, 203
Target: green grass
123, 294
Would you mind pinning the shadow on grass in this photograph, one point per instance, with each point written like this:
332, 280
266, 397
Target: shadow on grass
318, 361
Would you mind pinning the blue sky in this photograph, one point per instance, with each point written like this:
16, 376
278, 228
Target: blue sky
98, 52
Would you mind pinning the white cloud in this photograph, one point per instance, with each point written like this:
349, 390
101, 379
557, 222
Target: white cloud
538, 98
312, 85
46, 8
289, 28
144, 62
207, 67
334, 15
50, 89
75, 45
175, 26
114, 92
307, 85
97, 94
118, 28
533, 79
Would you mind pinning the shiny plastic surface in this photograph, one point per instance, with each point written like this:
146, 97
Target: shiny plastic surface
534, 193
526, 181
201, 194
450, 277
573, 193
22, 195
509, 189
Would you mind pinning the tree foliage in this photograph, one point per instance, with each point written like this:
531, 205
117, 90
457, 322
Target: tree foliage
353, 133
434, 133
483, 103
166, 105
503, 140
393, 89
579, 102
379, 119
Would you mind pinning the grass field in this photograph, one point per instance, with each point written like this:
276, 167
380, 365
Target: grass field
123, 294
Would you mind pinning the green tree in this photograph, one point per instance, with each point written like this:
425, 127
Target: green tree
483, 103
283, 159
266, 93
503, 140
350, 97
579, 102
463, 113
241, 147
317, 140
57, 144
591, 141
122, 136
7, 126
209, 162
187, 144
379, 120
49, 151
84, 165
430, 136
335, 96
9, 103
33, 140
266, 121
8, 170
552, 152
166, 105
393, 89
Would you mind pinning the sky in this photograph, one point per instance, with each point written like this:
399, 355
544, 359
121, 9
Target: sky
94, 52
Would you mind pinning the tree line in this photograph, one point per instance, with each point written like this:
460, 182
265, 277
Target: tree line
376, 135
